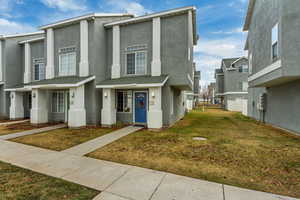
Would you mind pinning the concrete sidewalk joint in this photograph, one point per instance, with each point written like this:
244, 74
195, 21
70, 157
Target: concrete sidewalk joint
99, 142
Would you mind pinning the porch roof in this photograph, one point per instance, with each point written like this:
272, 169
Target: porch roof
54, 83
134, 82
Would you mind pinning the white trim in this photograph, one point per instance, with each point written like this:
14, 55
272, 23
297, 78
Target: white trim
133, 85
190, 79
85, 17
52, 86
243, 57
220, 74
156, 43
50, 54
1, 61
135, 61
21, 34
116, 66
228, 93
84, 48
150, 16
31, 40
276, 65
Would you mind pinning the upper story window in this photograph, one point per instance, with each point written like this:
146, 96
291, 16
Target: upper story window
67, 61
243, 69
136, 60
275, 34
39, 69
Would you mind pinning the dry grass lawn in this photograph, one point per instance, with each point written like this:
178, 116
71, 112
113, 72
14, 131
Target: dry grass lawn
21, 184
25, 126
239, 151
61, 139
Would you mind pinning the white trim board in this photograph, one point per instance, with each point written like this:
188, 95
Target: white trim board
228, 93
133, 85
268, 69
84, 17
32, 40
21, 35
52, 86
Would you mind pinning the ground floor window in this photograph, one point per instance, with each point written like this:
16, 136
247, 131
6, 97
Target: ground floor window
58, 102
124, 101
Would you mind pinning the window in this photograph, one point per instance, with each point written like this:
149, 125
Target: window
245, 86
275, 42
67, 64
243, 69
136, 63
124, 101
39, 71
58, 102
250, 63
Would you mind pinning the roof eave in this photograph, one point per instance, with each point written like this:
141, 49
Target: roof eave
249, 15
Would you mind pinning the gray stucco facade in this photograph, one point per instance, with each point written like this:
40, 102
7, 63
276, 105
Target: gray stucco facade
232, 83
278, 79
91, 41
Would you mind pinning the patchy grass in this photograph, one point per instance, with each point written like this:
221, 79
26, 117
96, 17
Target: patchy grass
24, 126
239, 151
21, 184
61, 139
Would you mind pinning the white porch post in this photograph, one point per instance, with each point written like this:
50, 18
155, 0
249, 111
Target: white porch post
108, 112
155, 111
77, 112
39, 110
84, 48
115, 69
16, 110
27, 71
156, 62
50, 54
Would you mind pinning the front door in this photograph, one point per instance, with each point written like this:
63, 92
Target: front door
140, 107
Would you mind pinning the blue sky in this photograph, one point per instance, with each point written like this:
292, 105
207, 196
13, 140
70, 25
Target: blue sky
219, 22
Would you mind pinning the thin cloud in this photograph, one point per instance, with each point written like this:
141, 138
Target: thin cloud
11, 27
65, 5
132, 7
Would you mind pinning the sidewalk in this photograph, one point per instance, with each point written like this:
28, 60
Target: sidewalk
99, 142
122, 182
30, 132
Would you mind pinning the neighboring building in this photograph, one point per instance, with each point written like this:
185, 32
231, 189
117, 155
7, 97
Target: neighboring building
273, 45
192, 98
211, 92
12, 62
107, 68
197, 78
232, 84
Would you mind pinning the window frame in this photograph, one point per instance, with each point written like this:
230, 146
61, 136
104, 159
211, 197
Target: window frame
60, 63
57, 110
38, 61
117, 101
135, 62
273, 43
241, 68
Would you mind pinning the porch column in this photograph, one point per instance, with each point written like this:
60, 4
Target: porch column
115, 68
39, 110
155, 110
77, 112
108, 112
1, 61
50, 54
27, 71
84, 48
16, 110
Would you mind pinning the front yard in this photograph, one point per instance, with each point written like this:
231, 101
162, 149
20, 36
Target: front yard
238, 151
61, 139
19, 127
21, 184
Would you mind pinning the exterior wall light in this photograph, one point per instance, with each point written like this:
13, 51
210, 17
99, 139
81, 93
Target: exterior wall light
153, 94
105, 94
33, 95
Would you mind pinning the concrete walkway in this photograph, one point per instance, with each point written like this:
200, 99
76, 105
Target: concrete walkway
99, 142
13, 122
122, 182
30, 132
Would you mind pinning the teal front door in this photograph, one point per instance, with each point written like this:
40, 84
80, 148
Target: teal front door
140, 107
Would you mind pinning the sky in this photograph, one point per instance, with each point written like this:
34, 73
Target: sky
219, 22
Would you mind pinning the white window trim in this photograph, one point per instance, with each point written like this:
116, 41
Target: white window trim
59, 63
38, 61
135, 52
123, 100
57, 108
272, 59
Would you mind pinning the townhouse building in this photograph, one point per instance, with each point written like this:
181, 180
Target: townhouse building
273, 46
232, 84
107, 68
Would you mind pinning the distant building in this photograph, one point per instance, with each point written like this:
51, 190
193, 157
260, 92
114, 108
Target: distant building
211, 92
232, 84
